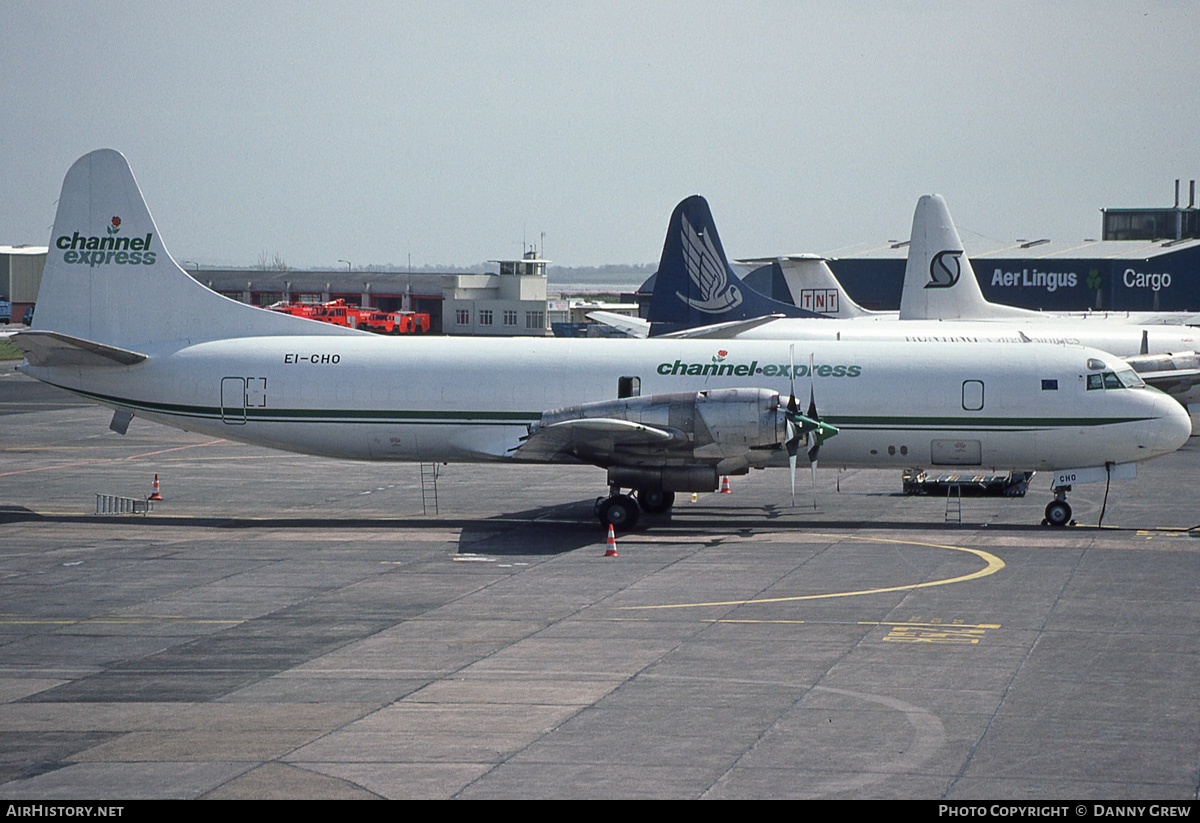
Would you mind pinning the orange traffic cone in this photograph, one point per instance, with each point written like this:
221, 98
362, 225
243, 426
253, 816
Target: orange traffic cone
725, 485
155, 495
612, 543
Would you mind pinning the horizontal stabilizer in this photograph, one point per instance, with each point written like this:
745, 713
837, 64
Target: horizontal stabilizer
51, 348
631, 326
723, 331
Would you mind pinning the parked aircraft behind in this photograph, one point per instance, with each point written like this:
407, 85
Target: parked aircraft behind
120, 323
813, 285
1163, 355
940, 283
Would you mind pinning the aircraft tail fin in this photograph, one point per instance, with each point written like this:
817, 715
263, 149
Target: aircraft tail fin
814, 286
695, 285
110, 280
808, 282
939, 282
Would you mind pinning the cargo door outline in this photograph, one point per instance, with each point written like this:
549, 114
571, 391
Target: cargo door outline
961, 452
239, 394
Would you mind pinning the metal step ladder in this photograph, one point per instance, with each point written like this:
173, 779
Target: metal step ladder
429, 476
954, 503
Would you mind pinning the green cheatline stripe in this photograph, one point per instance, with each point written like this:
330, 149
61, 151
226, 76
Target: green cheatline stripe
317, 415
858, 422
861, 422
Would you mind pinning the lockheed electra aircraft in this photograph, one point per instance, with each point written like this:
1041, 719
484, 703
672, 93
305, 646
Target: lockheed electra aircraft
120, 323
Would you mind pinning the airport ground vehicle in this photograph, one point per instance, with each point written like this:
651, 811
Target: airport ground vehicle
340, 313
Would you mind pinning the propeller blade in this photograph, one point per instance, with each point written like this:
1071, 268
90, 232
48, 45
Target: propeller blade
808, 426
792, 466
792, 375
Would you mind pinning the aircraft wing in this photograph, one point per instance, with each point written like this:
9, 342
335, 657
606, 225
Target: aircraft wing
49, 348
733, 428
632, 326
593, 439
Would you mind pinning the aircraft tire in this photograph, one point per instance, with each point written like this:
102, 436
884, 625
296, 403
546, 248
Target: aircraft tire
655, 501
1058, 513
619, 511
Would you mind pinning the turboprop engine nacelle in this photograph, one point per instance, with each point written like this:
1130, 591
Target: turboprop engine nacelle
706, 427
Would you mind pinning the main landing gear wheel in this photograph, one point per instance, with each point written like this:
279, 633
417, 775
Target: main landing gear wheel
1058, 513
619, 511
655, 501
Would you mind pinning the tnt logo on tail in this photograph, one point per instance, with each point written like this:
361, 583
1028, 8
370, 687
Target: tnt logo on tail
824, 301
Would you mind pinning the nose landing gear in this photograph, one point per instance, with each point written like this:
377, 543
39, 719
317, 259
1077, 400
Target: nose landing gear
1058, 510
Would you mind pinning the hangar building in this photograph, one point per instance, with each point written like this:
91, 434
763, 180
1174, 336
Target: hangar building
511, 302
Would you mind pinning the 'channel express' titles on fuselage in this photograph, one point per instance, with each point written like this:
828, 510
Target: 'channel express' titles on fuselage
719, 368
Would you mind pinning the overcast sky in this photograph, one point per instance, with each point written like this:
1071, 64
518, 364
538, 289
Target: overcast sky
454, 131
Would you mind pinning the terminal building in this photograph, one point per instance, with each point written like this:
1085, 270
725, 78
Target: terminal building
1145, 260
1103, 275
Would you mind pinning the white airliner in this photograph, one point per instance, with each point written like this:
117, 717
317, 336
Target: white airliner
119, 323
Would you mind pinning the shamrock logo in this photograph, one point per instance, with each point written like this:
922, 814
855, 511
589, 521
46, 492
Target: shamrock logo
1093, 280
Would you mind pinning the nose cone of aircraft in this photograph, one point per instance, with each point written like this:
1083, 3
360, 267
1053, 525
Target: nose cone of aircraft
1172, 426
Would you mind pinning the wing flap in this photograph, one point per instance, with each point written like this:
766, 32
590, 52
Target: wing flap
592, 438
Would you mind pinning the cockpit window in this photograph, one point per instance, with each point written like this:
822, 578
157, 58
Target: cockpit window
1131, 379
1123, 379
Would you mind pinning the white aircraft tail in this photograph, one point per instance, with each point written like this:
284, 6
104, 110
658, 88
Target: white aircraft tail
815, 287
110, 280
939, 283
